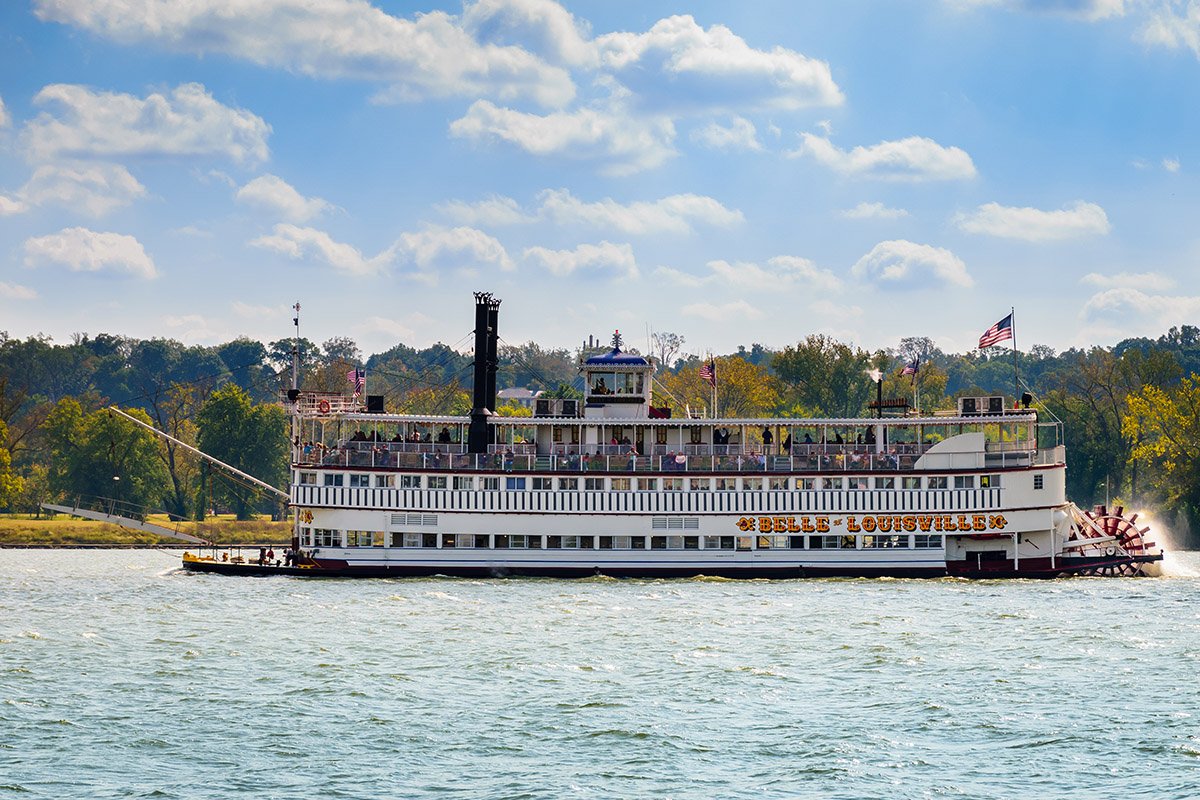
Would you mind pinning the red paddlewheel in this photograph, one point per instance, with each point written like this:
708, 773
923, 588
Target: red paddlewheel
1115, 524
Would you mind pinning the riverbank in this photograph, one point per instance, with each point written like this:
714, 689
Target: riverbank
23, 530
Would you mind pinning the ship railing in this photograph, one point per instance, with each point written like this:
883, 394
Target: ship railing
382, 458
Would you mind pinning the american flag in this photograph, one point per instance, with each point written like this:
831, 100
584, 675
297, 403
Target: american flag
708, 371
911, 367
356, 378
997, 333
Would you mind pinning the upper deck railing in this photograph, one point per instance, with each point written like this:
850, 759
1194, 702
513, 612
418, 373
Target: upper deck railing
451, 457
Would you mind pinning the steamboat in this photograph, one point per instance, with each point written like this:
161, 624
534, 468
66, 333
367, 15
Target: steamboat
610, 485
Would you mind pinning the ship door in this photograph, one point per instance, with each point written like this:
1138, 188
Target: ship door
639, 438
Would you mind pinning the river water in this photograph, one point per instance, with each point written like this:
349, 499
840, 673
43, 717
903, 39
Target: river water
122, 676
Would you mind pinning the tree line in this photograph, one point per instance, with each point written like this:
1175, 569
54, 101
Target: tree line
1131, 412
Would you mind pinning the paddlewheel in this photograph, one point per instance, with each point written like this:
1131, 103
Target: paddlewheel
1114, 540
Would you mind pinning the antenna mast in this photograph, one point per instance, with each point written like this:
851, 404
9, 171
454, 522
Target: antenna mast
296, 350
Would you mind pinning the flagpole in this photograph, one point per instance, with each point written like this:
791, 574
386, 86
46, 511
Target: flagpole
1016, 380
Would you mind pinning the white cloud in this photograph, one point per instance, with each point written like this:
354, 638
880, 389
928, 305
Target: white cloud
876, 210
1151, 281
1035, 225
903, 264
83, 250
781, 272
186, 122
1126, 306
9, 205
723, 312
679, 64
430, 251
275, 194
5, 118
191, 327
1089, 10
436, 248
494, 211
1171, 164
248, 311
1173, 27
13, 291
299, 243
624, 144
673, 214
401, 329
94, 189
429, 55
542, 27
912, 159
739, 135
602, 258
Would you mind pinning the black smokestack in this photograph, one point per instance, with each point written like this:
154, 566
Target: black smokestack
487, 312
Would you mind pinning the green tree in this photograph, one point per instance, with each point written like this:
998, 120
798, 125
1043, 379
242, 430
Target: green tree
251, 438
1165, 423
10, 482
102, 454
825, 377
743, 389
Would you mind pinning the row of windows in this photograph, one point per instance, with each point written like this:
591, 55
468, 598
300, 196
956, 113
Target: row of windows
541, 484
319, 537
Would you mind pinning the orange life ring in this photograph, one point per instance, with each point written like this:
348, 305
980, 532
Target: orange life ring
323, 406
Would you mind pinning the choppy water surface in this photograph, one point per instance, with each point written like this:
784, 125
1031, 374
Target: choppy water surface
121, 676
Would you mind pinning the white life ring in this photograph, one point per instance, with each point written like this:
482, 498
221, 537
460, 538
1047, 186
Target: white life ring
1110, 551
323, 406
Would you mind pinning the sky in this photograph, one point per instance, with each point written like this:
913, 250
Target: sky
735, 173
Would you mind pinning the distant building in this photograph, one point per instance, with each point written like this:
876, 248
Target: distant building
518, 395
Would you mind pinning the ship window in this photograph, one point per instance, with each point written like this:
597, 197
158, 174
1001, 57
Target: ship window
637, 542
647, 484
620, 484
491, 484
752, 484
483, 541
780, 483
879, 542
691, 543
328, 538
360, 481
858, 483
964, 481
308, 478
658, 543
910, 483
514, 484
660, 435
333, 478
543, 484
672, 484
515, 542
568, 484
385, 481
726, 484
927, 540
429, 540
587, 542
500, 541
832, 483
553, 542
306, 539
697, 435
989, 481
620, 542
1038, 482
885, 483
465, 540
569, 542
437, 481
675, 542
448, 540
464, 482
412, 540
593, 484
602, 382
806, 484
605, 543
700, 484
938, 482
712, 542
410, 481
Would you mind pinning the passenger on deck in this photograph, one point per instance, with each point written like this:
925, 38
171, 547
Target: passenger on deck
787, 442
767, 439
444, 436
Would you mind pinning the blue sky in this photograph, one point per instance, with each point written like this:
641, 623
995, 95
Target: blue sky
732, 172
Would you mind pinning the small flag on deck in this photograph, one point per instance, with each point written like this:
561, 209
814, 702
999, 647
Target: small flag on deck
708, 371
997, 333
356, 378
911, 367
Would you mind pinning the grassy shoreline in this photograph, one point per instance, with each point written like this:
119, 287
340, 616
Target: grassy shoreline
24, 530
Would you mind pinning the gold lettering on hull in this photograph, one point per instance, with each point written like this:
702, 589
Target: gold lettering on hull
876, 523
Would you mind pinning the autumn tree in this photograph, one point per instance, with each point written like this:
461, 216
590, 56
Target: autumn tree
825, 377
743, 389
1165, 424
